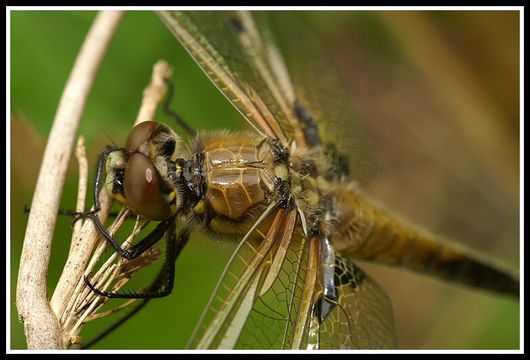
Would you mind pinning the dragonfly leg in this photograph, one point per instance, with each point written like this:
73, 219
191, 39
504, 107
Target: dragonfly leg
98, 185
66, 212
173, 115
165, 278
163, 283
139, 248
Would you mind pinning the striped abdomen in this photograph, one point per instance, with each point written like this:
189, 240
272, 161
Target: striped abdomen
367, 232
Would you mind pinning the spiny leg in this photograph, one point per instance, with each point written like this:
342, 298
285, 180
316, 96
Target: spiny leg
66, 212
116, 325
139, 248
163, 283
166, 275
173, 115
98, 186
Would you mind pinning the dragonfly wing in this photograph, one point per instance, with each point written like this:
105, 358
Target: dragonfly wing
266, 295
363, 318
322, 102
214, 42
286, 89
280, 316
244, 312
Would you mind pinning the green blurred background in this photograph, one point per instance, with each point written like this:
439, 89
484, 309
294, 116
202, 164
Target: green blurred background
436, 92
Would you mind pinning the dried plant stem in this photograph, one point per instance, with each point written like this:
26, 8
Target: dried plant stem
82, 303
154, 92
57, 324
41, 325
111, 311
80, 154
73, 302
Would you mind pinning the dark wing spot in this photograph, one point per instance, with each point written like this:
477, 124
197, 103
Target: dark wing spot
310, 127
339, 162
346, 273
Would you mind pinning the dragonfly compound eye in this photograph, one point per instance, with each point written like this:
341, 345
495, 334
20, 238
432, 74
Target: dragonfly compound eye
144, 189
140, 134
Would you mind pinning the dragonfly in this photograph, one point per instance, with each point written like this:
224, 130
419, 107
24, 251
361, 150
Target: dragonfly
287, 190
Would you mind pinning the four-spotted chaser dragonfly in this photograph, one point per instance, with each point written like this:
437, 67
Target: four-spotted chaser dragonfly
287, 190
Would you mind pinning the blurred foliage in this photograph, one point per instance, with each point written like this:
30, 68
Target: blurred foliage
419, 82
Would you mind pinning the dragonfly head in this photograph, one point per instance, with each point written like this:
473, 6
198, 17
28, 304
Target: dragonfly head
139, 175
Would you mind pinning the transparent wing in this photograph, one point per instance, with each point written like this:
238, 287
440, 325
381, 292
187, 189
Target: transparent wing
319, 90
265, 297
261, 297
280, 316
213, 41
363, 318
284, 85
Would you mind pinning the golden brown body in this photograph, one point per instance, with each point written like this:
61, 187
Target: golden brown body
367, 232
286, 284
239, 173
239, 178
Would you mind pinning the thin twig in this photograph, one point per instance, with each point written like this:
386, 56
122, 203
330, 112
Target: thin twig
80, 154
41, 325
110, 312
154, 92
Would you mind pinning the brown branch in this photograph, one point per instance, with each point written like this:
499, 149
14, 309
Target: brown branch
41, 325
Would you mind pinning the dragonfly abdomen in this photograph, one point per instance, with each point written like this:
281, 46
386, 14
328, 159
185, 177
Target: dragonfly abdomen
367, 232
